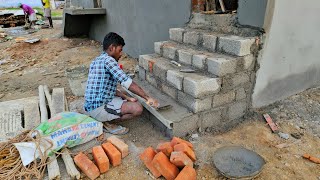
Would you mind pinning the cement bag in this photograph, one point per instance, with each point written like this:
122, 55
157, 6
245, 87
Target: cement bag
67, 129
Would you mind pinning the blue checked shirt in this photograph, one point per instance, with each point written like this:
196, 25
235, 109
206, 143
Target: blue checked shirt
104, 74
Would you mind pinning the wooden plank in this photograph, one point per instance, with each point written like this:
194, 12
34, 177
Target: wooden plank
58, 101
31, 115
42, 105
57, 106
68, 161
272, 125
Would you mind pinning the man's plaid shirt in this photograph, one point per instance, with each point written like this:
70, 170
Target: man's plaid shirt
104, 74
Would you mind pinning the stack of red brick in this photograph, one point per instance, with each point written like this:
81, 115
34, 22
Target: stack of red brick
169, 158
110, 152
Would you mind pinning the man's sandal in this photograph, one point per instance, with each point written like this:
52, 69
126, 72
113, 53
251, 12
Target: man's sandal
115, 129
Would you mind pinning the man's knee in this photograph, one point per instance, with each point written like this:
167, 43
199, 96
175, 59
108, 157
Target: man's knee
138, 109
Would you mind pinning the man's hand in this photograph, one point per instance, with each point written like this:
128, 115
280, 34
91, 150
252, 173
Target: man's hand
152, 102
131, 99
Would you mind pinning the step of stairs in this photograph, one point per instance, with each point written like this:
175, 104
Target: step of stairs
218, 91
214, 42
215, 63
194, 90
174, 121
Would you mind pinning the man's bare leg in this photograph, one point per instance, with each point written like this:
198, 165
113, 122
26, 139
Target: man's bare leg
130, 110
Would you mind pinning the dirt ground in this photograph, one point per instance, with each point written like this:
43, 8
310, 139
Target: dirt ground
23, 67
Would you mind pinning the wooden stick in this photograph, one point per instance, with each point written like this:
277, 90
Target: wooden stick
48, 96
53, 168
68, 161
223, 8
42, 104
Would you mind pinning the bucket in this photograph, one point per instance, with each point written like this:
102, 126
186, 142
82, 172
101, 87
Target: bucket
77, 78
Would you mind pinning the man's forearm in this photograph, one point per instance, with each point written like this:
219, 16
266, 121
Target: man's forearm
138, 90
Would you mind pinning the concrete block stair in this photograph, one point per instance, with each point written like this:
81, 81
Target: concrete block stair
214, 96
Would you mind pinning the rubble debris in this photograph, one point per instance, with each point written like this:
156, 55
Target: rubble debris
285, 145
284, 135
272, 125
312, 158
32, 40
297, 135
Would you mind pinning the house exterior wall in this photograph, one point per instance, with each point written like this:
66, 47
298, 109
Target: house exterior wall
289, 61
140, 22
252, 12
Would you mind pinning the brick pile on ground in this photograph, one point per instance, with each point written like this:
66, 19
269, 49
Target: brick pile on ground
110, 152
172, 160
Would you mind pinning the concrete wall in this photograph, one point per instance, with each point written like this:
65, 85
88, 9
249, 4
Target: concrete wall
252, 12
290, 61
83, 3
140, 22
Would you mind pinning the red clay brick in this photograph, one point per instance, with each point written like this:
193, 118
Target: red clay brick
120, 145
186, 149
147, 157
180, 159
187, 173
176, 140
86, 166
101, 159
166, 148
113, 154
164, 166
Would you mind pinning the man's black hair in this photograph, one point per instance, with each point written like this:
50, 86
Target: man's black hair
114, 39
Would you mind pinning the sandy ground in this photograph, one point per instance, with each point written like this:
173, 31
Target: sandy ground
297, 114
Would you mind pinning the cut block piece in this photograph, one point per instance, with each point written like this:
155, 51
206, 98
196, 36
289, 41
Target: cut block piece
120, 145
193, 104
183, 147
158, 47
146, 157
169, 51
164, 166
166, 148
187, 173
87, 166
175, 79
221, 66
191, 37
185, 56
176, 140
113, 154
101, 159
176, 34
235, 45
199, 86
209, 42
199, 60
180, 159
